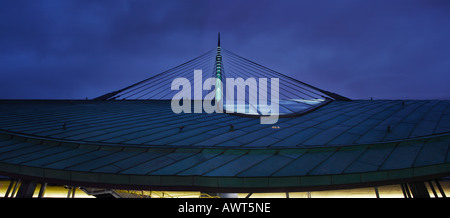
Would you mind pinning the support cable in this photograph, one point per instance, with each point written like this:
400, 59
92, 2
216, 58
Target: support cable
188, 73
297, 82
165, 73
281, 78
184, 70
281, 87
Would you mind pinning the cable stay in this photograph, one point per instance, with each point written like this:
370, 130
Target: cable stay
223, 66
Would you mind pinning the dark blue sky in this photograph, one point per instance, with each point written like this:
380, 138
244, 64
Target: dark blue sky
61, 49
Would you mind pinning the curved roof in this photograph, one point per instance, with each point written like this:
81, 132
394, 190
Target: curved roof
139, 144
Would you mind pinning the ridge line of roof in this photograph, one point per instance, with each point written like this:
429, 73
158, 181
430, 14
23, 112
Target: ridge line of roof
118, 146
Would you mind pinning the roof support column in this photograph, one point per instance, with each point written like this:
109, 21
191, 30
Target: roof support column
26, 189
432, 189
42, 190
440, 188
419, 190
10, 186
71, 191
405, 190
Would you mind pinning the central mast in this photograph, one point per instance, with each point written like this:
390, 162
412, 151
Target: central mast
219, 70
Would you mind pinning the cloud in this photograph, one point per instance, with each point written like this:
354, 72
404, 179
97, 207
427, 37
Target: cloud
78, 49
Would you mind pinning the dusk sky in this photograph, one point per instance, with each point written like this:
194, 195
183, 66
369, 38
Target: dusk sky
385, 49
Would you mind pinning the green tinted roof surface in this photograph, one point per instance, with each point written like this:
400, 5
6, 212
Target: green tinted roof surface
140, 144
